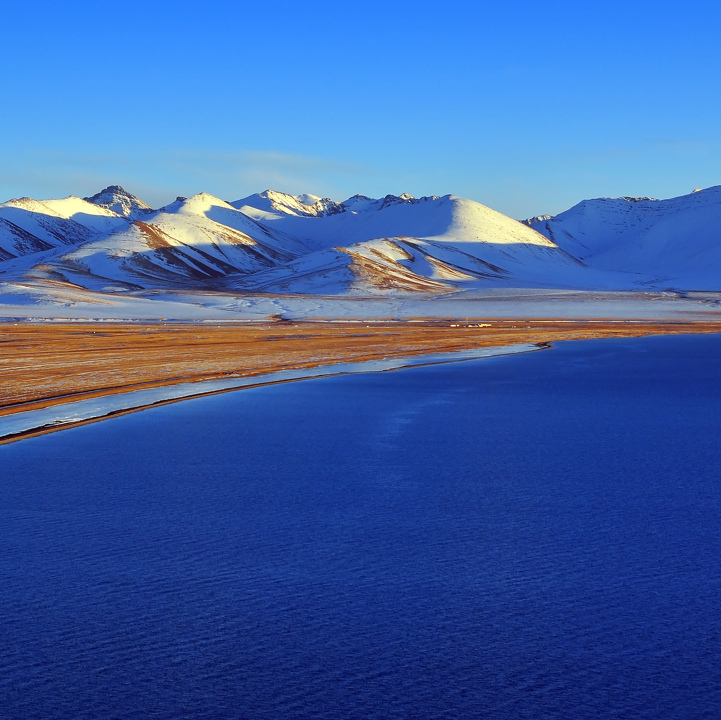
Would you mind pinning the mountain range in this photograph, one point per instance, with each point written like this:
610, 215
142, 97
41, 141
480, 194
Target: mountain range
274, 243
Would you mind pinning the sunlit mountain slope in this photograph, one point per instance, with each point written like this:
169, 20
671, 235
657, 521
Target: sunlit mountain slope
120, 202
446, 243
190, 242
665, 243
397, 245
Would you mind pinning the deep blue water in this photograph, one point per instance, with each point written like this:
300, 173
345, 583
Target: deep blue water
536, 536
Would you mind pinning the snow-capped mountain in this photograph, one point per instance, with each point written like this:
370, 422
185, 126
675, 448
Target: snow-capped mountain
665, 243
306, 205
28, 226
430, 244
375, 267
191, 242
120, 202
271, 242
277, 203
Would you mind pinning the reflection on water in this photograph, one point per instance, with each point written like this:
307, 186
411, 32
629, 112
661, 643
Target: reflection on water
523, 537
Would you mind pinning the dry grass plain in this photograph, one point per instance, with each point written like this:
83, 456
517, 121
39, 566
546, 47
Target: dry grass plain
44, 364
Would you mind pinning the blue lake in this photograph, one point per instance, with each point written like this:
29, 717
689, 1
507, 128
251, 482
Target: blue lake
535, 536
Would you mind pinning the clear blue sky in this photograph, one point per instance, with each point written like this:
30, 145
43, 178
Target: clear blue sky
527, 107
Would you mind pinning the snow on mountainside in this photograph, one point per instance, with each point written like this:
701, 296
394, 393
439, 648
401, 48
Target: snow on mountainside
487, 247
393, 244
667, 243
15, 242
190, 242
306, 205
273, 202
28, 226
120, 202
376, 267
94, 217
272, 242
448, 217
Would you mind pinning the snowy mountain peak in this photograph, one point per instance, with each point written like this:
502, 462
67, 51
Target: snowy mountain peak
396, 200
306, 205
120, 201
308, 199
199, 204
276, 242
666, 243
537, 219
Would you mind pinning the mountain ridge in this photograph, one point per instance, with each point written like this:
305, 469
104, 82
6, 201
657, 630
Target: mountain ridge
120, 201
676, 239
273, 242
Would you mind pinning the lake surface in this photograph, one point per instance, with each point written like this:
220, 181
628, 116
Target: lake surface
536, 536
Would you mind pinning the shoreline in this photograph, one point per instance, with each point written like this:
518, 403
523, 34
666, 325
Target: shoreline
161, 363
127, 402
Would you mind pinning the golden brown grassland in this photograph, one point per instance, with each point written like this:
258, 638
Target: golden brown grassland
44, 364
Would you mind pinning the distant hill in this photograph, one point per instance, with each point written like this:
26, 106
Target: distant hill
665, 243
272, 242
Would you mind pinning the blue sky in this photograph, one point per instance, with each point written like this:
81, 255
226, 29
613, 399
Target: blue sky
527, 107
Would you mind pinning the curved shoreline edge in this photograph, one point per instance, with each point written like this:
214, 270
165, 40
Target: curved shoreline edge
33, 423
